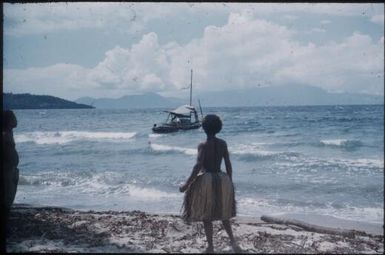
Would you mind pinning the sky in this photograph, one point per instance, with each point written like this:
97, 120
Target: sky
96, 49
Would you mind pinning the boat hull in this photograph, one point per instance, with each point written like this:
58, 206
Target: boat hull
170, 129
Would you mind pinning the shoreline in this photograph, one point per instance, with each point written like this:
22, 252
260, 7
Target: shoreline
36, 228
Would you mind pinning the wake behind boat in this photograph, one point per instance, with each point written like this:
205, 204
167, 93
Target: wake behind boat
184, 117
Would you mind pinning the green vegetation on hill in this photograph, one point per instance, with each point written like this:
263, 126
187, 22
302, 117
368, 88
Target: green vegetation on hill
28, 101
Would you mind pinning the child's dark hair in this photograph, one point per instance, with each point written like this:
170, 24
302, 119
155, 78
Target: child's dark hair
211, 124
8, 120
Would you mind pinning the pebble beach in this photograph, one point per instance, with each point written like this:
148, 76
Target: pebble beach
56, 229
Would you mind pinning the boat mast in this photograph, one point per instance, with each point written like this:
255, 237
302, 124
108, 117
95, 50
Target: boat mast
191, 87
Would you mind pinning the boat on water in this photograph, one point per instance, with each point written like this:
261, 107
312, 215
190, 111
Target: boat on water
184, 117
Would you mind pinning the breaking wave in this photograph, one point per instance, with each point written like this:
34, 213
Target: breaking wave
170, 149
102, 184
62, 137
341, 143
243, 152
254, 152
155, 135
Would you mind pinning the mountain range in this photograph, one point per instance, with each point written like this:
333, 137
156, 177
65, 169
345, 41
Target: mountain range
259, 96
147, 100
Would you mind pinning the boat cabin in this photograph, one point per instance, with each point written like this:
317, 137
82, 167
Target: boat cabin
182, 118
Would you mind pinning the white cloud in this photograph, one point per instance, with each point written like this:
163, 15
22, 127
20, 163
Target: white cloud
40, 18
351, 66
141, 68
325, 22
37, 18
338, 9
243, 53
378, 19
290, 17
317, 30
60, 79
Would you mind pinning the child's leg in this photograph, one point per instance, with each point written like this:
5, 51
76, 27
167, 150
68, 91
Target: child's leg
227, 226
208, 225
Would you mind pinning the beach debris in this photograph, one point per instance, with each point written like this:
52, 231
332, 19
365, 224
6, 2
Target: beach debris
310, 227
35, 229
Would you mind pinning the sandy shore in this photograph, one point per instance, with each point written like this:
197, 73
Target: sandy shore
51, 229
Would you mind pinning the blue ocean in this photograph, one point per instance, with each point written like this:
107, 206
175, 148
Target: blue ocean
325, 160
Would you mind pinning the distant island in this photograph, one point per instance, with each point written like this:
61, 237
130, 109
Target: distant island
290, 95
27, 101
286, 95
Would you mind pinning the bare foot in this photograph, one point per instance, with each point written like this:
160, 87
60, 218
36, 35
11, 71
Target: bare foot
209, 250
236, 248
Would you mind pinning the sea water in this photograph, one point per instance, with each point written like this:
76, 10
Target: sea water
325, 160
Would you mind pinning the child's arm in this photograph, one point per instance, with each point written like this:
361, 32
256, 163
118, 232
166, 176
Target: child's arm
198, 166
229, 169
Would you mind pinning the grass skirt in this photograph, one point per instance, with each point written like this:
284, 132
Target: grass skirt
210, 197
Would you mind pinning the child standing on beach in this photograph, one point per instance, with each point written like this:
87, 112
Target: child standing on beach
209, 191
10, 161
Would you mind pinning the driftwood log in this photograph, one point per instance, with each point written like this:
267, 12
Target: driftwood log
311, 227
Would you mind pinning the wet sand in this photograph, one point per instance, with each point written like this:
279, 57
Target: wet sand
55, 229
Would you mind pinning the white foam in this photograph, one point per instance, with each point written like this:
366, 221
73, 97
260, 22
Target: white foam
155, 135
62, 137
53, 179
257, 206
341, 142
103, 184
131, 191
168, 148
252, 148
254, 151
148, 193
337, 142
364, 162
361, 163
